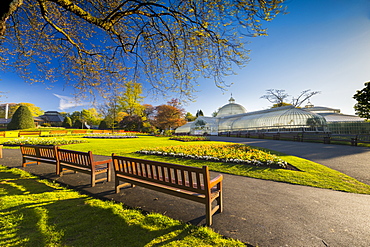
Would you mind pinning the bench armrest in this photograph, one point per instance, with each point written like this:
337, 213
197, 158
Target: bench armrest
96, 163
216, 181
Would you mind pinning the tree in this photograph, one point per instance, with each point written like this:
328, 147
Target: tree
67, 122
77, 124
12, 107
76, 115
280, 105
189, 117
103, 125
362, 107
199, 113
131, 99
91, 116
132, 123
168, 117
22, 119
278, 97
96, 43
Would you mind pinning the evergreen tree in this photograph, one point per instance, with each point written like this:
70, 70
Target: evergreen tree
22, 119
362, 107
103, 125
77, 124
199, 113
67, 122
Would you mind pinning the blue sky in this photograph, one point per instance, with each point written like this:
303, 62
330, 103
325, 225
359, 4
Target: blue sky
322, 45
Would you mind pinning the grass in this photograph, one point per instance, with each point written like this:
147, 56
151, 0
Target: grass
36, 212
310, 174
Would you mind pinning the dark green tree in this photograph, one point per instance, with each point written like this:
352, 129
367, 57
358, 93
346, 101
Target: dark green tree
103, 125
132, 123
362, 107
77, 124
199, 113
22, 119
67, 122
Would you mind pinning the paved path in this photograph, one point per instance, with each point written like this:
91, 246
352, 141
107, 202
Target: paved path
258, 212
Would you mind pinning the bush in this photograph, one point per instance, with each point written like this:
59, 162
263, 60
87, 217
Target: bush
103, 125
22, 119
77, 124
67, 122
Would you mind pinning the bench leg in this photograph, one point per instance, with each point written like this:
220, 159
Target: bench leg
116, 185
220, 202
109, 173
209, 213
93, 179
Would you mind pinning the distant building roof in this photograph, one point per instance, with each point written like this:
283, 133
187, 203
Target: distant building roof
52, 116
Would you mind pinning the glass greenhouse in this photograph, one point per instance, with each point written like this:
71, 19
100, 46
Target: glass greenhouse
233, 118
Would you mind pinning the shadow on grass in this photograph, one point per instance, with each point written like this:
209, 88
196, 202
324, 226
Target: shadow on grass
34, 213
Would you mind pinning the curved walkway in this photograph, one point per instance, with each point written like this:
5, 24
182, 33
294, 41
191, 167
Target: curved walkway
258, 212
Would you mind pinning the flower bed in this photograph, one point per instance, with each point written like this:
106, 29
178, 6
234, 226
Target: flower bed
231, 153
111, 136
41, 141
190, 138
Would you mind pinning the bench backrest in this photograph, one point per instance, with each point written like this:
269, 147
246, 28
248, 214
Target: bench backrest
45, 152
81, 159
183, 177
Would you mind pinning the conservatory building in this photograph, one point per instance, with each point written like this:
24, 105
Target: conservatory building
233, 118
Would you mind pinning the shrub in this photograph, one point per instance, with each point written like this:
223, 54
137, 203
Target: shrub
67, 122
103, 125
77, 124
190, 138
22, 119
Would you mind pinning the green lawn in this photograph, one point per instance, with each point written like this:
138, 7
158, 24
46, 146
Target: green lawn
310, 174
36, 212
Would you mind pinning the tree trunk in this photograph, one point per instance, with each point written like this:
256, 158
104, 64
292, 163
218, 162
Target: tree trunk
7, 8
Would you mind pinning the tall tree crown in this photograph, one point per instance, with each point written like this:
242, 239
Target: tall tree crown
93, 44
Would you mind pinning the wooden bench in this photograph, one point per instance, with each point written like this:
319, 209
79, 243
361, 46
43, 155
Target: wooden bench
187, 182
38, 154
29, 133
82, 162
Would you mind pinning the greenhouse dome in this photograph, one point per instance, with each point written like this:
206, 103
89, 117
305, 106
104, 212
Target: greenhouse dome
231, 109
